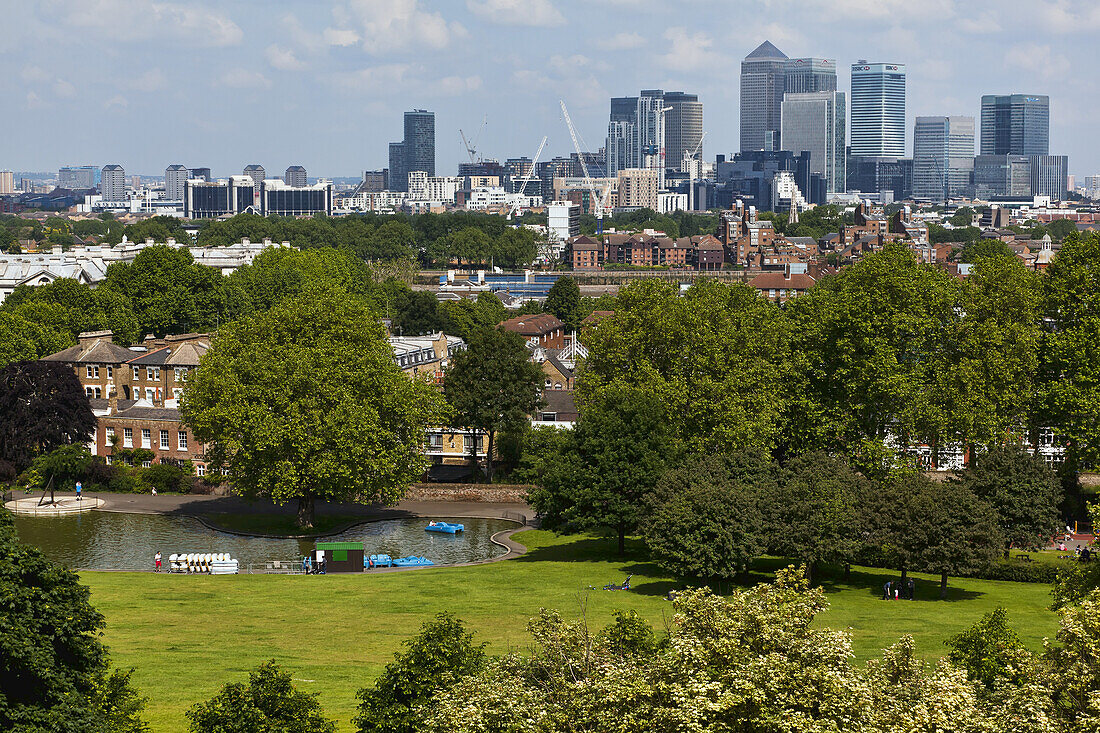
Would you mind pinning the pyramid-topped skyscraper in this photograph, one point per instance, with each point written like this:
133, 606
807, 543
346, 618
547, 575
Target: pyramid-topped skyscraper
762, 83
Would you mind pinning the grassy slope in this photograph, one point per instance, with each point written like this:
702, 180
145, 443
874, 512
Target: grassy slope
188, 635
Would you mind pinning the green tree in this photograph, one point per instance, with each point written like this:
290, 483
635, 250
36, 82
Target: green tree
705, 521
563, 301
819, 512
715, 358
416, 312
393, 240
1059, 229
934, 527
1022, 490
304, 401
515, 247
618, 449
269, 703
470, 245
54, 673
279, 273
869, 356
492, 385
21, 339
1070, 365
989, 650
434, 660
980, 248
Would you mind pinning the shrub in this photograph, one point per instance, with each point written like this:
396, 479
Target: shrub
166, 477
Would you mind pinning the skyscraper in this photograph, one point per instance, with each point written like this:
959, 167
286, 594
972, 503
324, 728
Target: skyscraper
1049, 176
256, 172
416, 152
203, 173
878, 109
7, 182
816, 122
175, 178
420, 141
112, 183
683, 127
762, 87
1015, 124
801, 76
943, 157
295, 176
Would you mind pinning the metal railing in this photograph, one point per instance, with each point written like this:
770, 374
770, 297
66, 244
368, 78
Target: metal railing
275, 567
521, 518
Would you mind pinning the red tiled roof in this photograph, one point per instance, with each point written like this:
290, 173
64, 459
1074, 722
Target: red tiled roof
533, 325
778, 280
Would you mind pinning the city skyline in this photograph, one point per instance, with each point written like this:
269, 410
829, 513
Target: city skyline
227, 86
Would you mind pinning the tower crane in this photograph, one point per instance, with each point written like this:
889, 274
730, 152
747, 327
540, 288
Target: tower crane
471, 147
596, 201
691, 172
527, 179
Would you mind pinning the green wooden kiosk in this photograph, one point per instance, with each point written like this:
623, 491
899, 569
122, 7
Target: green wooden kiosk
342, 557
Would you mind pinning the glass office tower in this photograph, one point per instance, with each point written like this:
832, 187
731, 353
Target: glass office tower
878, 109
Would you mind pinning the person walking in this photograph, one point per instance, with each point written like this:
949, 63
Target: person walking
79, 488
912, 589
156, 562
886, 590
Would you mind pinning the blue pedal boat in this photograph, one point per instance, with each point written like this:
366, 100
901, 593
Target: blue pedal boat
412, 562
378, 561
444, 527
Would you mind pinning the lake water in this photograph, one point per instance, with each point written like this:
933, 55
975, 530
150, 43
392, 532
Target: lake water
115, 541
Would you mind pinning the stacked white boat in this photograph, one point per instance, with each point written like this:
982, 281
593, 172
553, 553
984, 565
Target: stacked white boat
217, 563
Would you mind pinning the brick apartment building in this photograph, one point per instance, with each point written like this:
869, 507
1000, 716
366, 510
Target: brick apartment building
541, 329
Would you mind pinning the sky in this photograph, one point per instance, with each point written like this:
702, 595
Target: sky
324, 84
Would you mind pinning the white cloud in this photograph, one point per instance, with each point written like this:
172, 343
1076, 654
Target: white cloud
1066, 16
1038, 59
282, 58
35, 75
340, 36
244, 79
688, 51
393, 25
411, 79
145, 19
152, 80
118, 101
33, 101
623, 42
517, 12
63, 88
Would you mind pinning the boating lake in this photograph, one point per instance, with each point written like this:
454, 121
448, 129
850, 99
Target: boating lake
115, 541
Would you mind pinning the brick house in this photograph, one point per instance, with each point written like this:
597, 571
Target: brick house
541, 329
586, 253
779, 287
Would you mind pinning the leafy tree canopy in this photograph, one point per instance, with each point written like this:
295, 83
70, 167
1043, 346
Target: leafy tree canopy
268, 703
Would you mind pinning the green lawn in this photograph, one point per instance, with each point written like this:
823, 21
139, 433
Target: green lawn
187, 635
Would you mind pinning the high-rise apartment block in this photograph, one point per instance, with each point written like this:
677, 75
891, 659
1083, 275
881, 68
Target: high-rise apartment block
295, 176
416, 152
256, 172
878, 109
175, 181
653, 130
763, 82
7, 182
112, 183
1015, 124
638, 188
76, 178
943, 157
815, 122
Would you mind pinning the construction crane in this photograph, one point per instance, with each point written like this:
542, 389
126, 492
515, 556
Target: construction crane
527, 179
471, 147
596, 201
691, 173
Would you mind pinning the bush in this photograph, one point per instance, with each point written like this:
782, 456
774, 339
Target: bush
126, 482
165, 477
1019, 572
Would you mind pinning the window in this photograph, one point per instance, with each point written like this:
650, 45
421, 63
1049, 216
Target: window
88, 391
109, 435
153, 373
435, 441
182, 440
468, 442
549, 416
146, 438
137, 373
146, 464
200, 470
164, 440
93, 372
110, 372
547, 384
127, 437
150, 393
98, 392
